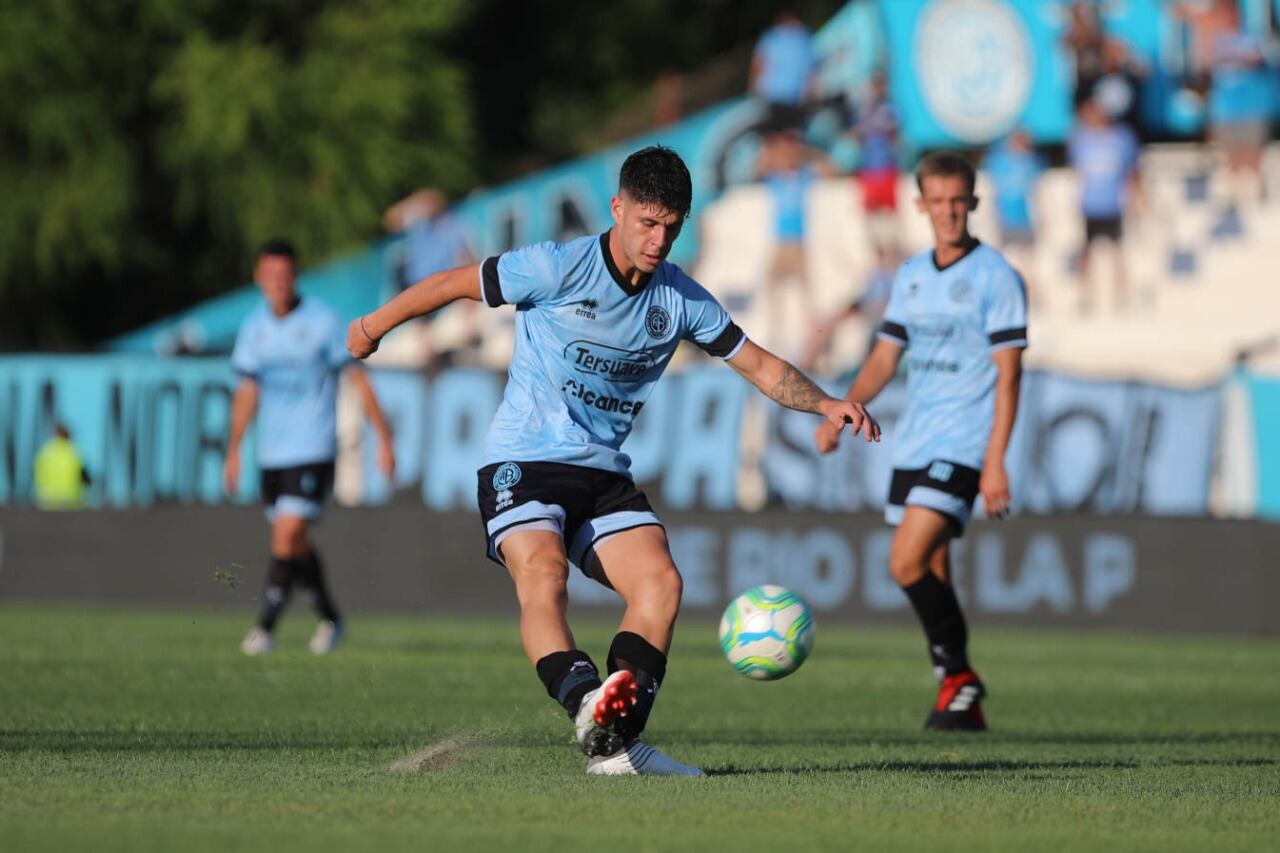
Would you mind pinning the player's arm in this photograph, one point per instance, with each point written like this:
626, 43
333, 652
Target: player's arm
994, 483
369, 402
785, 385
876, 372
244, 404
431, 294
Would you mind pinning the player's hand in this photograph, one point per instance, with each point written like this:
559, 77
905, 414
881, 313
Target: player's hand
231, 472
827, 437
360, 343
386, 458
994, 487
841, 412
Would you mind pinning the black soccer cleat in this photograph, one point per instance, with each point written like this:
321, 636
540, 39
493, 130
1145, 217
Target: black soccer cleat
959, 704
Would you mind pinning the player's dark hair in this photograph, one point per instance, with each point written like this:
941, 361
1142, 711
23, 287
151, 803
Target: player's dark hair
946, 164
656, 175
279, 247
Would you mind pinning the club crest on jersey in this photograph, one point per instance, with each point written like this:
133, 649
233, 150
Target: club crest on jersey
507, 475
960, 291
657, 322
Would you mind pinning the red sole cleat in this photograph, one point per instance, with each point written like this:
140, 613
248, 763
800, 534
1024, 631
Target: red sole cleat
615, 699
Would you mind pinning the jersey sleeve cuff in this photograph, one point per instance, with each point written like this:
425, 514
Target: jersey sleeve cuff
893, 332
1008, 338
727, 343
490, 288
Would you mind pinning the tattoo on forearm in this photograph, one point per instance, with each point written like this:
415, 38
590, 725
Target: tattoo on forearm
795, 391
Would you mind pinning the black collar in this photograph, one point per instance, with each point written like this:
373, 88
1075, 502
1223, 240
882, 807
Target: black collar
973, 245
618, 278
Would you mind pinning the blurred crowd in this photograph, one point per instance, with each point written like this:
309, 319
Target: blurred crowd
1226, 78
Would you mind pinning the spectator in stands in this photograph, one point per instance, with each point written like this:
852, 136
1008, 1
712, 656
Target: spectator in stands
60, 475
876, 132
868, 309
434, 241
1118, 87
1105, 158
788, 169
781, 72
1208, 20
1242, 102
1014, 168
1085, 41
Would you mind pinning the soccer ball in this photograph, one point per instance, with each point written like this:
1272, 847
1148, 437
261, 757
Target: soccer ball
767, 632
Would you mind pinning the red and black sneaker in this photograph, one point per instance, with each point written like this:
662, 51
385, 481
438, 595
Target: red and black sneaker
959, 704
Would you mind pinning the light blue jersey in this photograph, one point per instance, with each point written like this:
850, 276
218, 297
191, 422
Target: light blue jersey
295, 359
950, 321
589, 346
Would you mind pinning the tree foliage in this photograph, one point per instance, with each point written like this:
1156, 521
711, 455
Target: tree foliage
146, 146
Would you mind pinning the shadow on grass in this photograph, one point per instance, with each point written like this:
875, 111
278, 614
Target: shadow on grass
854, 737
159, 741
975, 768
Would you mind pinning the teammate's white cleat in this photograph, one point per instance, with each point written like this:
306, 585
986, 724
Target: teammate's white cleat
257, 642
326, 638
600, 709
639, 760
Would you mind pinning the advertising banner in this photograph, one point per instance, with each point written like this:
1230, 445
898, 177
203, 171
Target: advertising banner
155, 431
1130, 573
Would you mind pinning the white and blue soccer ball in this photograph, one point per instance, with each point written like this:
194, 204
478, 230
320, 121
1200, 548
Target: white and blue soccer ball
767, 632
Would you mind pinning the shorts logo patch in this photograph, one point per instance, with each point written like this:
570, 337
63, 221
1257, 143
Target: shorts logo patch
941, 471
307, 482
504, 499
507, 475
657, 322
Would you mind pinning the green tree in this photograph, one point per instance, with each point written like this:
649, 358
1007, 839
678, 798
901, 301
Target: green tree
146, 146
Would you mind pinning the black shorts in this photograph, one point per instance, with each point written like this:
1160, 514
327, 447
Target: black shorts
297, 491
584, 505
1097, 228
944, 487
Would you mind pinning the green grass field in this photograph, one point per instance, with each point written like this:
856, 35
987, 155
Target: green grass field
149, 731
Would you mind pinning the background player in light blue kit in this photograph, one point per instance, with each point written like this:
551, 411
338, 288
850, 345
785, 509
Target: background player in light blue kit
597, 320
959, 311
289, 353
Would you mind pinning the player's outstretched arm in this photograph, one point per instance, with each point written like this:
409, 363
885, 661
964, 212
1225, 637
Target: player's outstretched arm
373, 411
244, 403
432, 293
781, 382
876, 372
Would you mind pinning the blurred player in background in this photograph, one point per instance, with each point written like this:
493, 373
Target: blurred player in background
289, 353
597, 321
961, 312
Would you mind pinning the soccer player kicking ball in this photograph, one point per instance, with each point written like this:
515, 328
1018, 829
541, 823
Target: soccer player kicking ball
961, 311
597, 321
288, 354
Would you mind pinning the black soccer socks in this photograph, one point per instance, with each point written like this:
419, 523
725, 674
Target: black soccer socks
649, 666
280, 577
312, 579
568, 677
939, 611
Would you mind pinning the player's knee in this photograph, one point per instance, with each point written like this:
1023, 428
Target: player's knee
542, 579
906, 568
